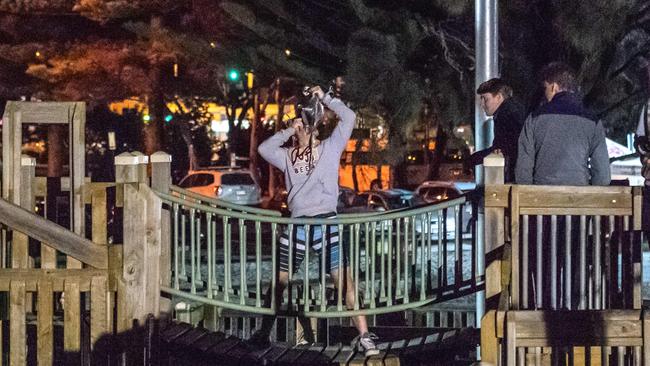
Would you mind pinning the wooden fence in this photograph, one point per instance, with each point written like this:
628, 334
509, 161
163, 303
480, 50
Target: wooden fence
61, 293
561, 254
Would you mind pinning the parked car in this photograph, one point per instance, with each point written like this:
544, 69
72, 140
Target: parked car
432, 192
386, 200
234, 185
346, 197
279, 201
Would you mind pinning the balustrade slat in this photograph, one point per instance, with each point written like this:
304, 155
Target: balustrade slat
193, 266
71, 317
99, 325
209, 236
17, 326
176, 244
539, 263
583, 263
525, 257
553, 277
45, 329
568, 255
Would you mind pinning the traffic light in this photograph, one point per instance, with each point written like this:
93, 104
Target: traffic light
233, 75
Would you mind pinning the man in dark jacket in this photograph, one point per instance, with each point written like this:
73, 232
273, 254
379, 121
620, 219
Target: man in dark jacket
508, 115
562, 143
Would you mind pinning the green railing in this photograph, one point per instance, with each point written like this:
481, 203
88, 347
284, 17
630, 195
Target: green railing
226, 255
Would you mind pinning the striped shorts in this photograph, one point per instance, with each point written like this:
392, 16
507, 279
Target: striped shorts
316, 241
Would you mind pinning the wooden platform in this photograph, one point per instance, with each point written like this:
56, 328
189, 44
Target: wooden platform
183, 344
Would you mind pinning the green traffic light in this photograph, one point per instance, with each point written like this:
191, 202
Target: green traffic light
233, 75
168, 118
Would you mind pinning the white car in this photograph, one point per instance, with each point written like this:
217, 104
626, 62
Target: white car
234, 185
432, 192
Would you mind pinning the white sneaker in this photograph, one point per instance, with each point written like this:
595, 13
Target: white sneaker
366, 343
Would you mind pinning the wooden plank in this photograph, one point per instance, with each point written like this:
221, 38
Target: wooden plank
45, 330
48, 256
49, 232
40, 186
99, 217
637, 202
141, 270
576, 211
20, 243
91, 187
161, 182
31, 277
77, 131
16, 157
561, 316
8, 149
573, 190
19, 250
497, 195
577, 199
71, 317
514, 239
45, 112
646, 338
99, 324
489, 340
17, 326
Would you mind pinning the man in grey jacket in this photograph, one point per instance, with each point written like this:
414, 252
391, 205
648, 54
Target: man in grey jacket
561, 142
311, 171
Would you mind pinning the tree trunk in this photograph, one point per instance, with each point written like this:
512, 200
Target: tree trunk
152, 132
278, 121
56, 155
355, 180
252, 149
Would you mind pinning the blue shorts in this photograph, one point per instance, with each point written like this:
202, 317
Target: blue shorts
316, 241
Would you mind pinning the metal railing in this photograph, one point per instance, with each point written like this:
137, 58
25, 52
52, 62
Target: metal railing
228, 257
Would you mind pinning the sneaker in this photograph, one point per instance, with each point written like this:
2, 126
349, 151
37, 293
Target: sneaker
366, 343
258, 340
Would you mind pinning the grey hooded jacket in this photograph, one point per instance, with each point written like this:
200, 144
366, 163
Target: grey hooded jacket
562, 144
312, 190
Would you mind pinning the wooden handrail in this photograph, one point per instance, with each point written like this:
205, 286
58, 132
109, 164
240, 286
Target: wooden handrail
54, 235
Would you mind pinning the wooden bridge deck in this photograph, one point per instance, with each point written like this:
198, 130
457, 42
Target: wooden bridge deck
183, 344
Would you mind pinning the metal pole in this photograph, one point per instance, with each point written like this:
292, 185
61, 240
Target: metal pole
487, 67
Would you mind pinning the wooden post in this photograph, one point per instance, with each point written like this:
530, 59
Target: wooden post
496, 200
126, 172
141, 258
140, 276
143, 163
126, 168
20, 252
160, 182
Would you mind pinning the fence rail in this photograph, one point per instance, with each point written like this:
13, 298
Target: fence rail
228, 257
564, 275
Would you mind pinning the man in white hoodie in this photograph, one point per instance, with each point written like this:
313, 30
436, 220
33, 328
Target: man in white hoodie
311, 175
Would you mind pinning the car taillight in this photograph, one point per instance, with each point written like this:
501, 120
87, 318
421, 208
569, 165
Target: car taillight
218, 190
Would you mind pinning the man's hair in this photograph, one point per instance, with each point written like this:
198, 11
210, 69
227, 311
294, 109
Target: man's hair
495, 86
561, 74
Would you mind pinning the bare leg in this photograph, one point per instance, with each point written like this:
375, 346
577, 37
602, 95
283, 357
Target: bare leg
269, 320
360, 320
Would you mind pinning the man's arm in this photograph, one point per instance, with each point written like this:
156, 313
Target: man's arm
526, 155
272, 152
343, 130
599, 158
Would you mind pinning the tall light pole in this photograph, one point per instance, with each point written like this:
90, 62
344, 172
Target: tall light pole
487, 66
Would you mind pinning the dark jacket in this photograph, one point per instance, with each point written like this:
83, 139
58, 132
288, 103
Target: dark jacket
508, 122
563, 144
